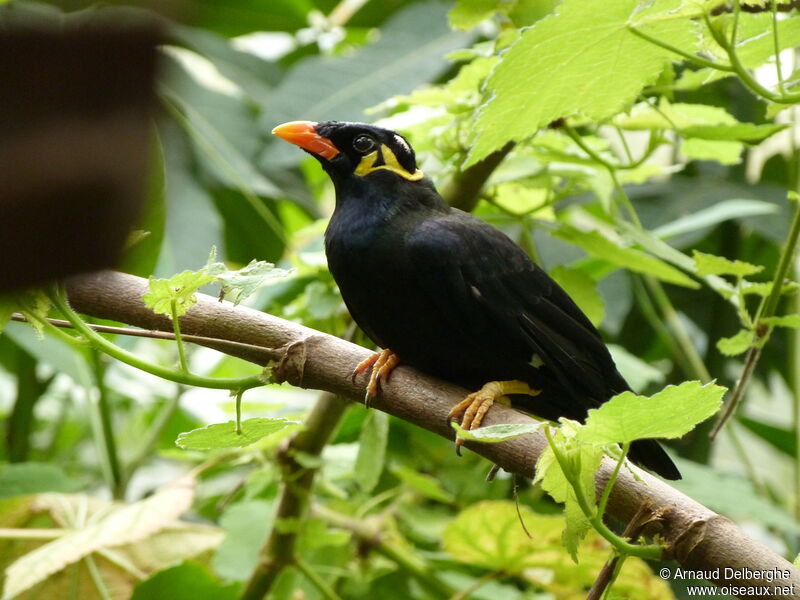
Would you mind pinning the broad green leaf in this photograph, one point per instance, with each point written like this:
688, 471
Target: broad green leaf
372, 450
671, 413
581, 462
713, 215
246, 525
122, 525
423, 484
749, 133
35, 305
792, 321
778, 437
186, 581
141, 256
636, 372
50, 350
732, 496
193, 224
489, 534
181, 288
736, 344
708, 264
223, 435
764, 288
242, 283
315, 533
673, 115
496, 433
576, 62
409, 52
466, 14
726, 153
583, 290
595, 244
21, 479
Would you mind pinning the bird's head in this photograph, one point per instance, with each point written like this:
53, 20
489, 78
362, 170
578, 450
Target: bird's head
353, 149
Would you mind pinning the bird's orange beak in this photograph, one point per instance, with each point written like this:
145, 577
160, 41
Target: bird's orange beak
304, 134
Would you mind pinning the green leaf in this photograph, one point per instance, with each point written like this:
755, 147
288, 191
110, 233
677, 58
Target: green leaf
223, 435
749, 133
466, 14
20, 479
638, 373
246, 526
595, 244
726, 153
735, 345
583, 290
180, 288
708, 264
792, 321
141, 256
576, 62
186, 581
423, 484
34, 304
720, 212
372, 450
408, 53
778, 437
242, 283
489, 534
496, 433
671, 413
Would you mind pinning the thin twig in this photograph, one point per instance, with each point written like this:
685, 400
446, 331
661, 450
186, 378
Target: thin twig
632, 531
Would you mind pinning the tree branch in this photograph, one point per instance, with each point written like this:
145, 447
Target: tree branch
698, 537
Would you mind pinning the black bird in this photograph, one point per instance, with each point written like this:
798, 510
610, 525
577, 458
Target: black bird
450, 295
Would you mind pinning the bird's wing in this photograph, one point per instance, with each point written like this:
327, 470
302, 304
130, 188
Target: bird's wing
473, 274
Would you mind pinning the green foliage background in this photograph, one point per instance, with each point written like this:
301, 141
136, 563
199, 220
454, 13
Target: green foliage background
658, 199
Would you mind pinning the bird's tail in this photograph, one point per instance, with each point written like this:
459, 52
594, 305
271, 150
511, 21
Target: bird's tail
650, 455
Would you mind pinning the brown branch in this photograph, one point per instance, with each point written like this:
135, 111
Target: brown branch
278, 551
464, 189
699, 538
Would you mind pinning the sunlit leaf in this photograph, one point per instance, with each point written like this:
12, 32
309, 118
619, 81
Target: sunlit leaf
372, 450
496, 433
708, 264
223, 435
576, 62
736, 344
671, 413
180, 289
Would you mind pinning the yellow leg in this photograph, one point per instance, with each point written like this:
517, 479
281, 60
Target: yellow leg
382, 364
474, 407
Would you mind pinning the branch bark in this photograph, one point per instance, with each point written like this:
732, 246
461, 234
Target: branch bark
699, 538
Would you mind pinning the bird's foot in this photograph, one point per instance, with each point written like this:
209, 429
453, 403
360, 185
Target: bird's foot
474, 407
382, 364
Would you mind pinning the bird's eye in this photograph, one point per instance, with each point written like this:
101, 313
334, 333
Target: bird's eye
363, 144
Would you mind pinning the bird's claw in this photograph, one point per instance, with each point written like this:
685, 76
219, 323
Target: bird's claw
472, 409
382, 364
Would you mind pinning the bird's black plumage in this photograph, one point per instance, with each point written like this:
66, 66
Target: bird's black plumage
453, 296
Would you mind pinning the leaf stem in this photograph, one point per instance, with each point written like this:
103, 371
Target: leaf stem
765, 310
647, 551
176, 327
314, 578
104, 416
744, 74
131, 359
702, 62
601, 507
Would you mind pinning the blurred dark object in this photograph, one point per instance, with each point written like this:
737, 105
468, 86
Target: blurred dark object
74, 139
